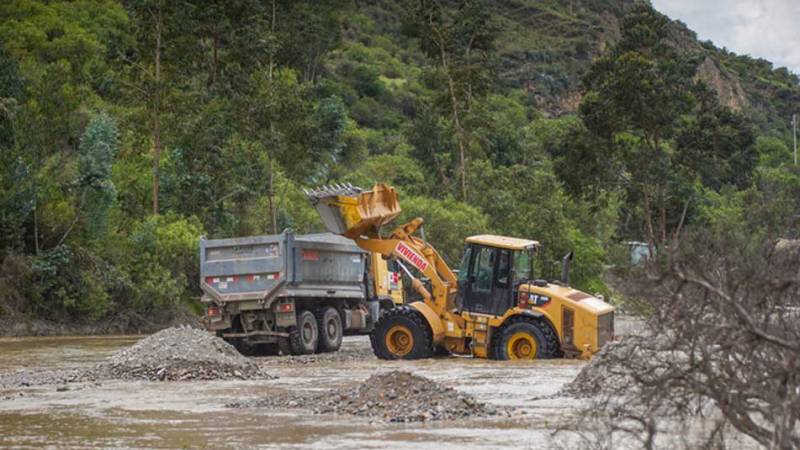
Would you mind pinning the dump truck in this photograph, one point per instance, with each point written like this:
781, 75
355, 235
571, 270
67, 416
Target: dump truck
496, 307
293, 294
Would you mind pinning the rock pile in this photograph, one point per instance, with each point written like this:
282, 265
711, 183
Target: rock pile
26, 377
345, 354
396, 396
621, 366
172, 354
180, 353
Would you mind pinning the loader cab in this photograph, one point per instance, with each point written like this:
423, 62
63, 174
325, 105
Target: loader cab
491, 270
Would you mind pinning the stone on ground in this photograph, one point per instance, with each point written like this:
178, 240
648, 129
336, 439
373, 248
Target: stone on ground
396, 396
180, 353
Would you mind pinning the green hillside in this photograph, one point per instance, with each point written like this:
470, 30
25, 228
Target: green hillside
130, 128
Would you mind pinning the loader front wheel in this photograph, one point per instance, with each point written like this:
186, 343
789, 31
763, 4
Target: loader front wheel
402, 333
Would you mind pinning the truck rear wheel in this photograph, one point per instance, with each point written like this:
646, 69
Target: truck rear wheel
304, 337
402, 333
329, 324
266, 349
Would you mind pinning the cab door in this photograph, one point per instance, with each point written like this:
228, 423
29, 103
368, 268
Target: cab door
484, 280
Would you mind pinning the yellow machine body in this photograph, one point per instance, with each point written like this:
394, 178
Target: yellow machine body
386, 283
582, 322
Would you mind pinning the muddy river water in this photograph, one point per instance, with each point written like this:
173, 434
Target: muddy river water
192, 414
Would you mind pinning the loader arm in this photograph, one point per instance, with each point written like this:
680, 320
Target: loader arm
359, 215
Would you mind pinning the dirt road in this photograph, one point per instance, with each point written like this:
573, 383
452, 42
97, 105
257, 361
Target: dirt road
192, 414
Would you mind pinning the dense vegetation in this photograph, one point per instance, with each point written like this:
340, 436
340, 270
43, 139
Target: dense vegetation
130, 128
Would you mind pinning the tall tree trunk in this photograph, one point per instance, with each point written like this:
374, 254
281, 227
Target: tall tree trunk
214, 57
157, 112
676, 234
460, 134
35, 224
271, 197
663, 218
272, 50
271, 180
649, 222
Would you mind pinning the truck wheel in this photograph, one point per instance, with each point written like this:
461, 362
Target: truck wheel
267, 349
284, 346
402, 333
329, 323
303, 338
524, 339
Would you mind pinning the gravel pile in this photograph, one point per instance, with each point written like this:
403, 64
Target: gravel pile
343, 355
25, 378
180, 353
620, 365
396, 396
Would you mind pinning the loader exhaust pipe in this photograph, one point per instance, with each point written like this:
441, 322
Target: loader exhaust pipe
565, 261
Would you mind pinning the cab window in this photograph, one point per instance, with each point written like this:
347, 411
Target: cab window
503, 268
463, 270
522, 266
483, 269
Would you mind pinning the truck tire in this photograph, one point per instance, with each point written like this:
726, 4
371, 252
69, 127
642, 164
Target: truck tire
402, 333
524, 339
267, 349
304, 337
284, 346
329, 324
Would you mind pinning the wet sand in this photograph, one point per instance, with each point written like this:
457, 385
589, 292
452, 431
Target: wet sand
192, 414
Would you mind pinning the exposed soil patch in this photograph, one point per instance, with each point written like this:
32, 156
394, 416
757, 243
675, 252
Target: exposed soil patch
19, 325
396, 396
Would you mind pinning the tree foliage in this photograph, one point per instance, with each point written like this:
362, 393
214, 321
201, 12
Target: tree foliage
215, 116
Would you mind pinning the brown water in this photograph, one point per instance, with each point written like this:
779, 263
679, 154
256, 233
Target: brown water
192, 414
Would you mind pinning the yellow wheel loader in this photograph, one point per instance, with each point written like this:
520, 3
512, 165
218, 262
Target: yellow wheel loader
494, 308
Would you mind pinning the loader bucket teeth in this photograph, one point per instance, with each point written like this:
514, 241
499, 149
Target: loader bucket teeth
350, 211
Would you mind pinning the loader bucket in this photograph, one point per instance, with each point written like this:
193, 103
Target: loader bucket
349, 211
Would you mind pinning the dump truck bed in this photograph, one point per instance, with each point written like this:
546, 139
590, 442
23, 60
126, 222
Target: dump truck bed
263, 268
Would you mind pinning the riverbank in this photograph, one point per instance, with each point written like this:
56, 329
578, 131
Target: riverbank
122, 324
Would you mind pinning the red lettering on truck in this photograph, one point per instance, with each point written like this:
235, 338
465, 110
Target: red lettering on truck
411, 256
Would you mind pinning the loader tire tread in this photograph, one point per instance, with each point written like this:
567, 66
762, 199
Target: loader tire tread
550, 347
411, 318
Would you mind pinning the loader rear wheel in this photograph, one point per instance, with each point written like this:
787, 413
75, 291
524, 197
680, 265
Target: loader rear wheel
329, 323
402, 333
525, 339
304, 337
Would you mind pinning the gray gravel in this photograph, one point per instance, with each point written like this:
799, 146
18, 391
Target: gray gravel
396, 396
180, 353
343, 355
172, 354
25, 378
